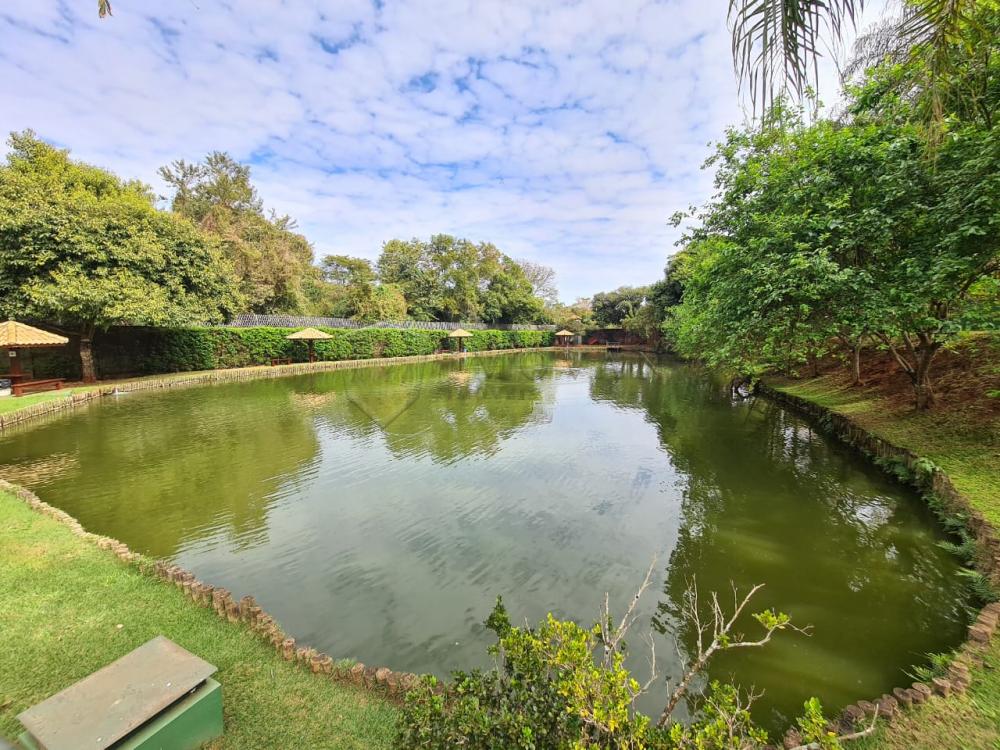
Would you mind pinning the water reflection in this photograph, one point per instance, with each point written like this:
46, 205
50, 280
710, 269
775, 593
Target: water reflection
768, 500
378, 512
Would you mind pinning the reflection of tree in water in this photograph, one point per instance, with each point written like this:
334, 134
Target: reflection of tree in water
160, 471
767, 500
449, 411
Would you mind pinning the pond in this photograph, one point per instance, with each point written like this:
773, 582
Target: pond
377, 513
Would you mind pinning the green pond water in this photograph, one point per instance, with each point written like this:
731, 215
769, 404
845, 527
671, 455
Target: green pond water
377, 513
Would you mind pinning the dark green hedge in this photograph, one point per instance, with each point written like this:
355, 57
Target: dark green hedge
143, 351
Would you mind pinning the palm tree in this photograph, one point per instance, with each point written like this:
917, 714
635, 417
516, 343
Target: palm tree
777, 43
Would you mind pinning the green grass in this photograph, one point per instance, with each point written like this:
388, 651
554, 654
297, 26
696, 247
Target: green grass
962, 436
10, 403
966, 722
68, 608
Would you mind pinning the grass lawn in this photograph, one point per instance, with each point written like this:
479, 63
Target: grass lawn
10, 403
962, 436
68, 608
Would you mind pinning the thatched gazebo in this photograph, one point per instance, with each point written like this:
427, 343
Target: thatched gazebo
15, 337
460, 334
310, 335
563, 337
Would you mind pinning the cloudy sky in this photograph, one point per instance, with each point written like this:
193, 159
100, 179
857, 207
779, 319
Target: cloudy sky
564, 132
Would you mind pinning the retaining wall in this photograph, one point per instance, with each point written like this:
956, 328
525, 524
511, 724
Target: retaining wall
931, 481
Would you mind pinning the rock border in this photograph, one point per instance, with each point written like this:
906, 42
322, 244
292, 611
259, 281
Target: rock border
235, 374
931, 482
381, 680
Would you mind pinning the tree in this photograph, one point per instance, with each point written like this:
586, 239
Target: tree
83, 248
776, 43
832, 231
562, 685
454, 279
406, 263
273, 263
371, 302
611, 308
543, 281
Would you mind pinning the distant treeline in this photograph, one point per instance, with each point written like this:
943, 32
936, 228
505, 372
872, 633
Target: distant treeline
84, 249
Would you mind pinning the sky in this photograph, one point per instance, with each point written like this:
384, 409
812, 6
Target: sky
566, 133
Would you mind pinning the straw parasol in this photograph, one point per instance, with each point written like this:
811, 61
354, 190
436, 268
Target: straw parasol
15, 336
310, 335
564, 336
460, 334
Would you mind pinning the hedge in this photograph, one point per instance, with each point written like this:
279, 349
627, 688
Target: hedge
146, 351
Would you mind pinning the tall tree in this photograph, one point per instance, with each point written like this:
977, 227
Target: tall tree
272, 261
83, 248
543, 281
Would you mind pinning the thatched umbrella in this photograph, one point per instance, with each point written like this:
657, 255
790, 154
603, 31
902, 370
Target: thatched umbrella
310, 335
460, 334
16, 336
564, 336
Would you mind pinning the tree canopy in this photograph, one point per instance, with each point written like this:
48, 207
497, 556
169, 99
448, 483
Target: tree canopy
85, 249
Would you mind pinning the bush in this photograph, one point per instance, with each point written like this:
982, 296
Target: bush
145, 351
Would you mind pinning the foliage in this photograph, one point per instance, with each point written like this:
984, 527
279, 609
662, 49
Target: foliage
612, 308
576, 317
134, 350
561, 686
82, 248
452, 279
828, 232
273, 263
776, 43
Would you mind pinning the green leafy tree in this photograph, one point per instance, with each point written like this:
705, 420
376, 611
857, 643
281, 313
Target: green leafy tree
831, 232
611, 308
375, 302
453, 279
273, 263
81, 247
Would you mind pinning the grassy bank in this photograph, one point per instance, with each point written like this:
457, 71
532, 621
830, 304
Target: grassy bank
962, 436
68, 608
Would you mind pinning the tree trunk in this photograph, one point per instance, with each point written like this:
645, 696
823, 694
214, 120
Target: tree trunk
921, 378
87, 368
856, 363
924, 395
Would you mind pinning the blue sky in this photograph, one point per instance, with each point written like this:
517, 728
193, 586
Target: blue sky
564, 132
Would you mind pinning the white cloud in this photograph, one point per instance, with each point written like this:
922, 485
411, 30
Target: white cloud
565, 132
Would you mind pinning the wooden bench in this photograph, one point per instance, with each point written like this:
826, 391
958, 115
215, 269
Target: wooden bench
280, 361
158, 696
28, 386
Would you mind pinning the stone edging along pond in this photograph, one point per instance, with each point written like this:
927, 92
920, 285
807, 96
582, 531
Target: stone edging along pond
932, 483
256, 372
246, 610
395, 684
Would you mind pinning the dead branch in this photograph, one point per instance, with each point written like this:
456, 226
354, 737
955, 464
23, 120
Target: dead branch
720, 630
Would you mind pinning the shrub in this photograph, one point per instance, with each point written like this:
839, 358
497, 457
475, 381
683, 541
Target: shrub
145, 351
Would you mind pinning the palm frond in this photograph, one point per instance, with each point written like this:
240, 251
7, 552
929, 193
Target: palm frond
777, 43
